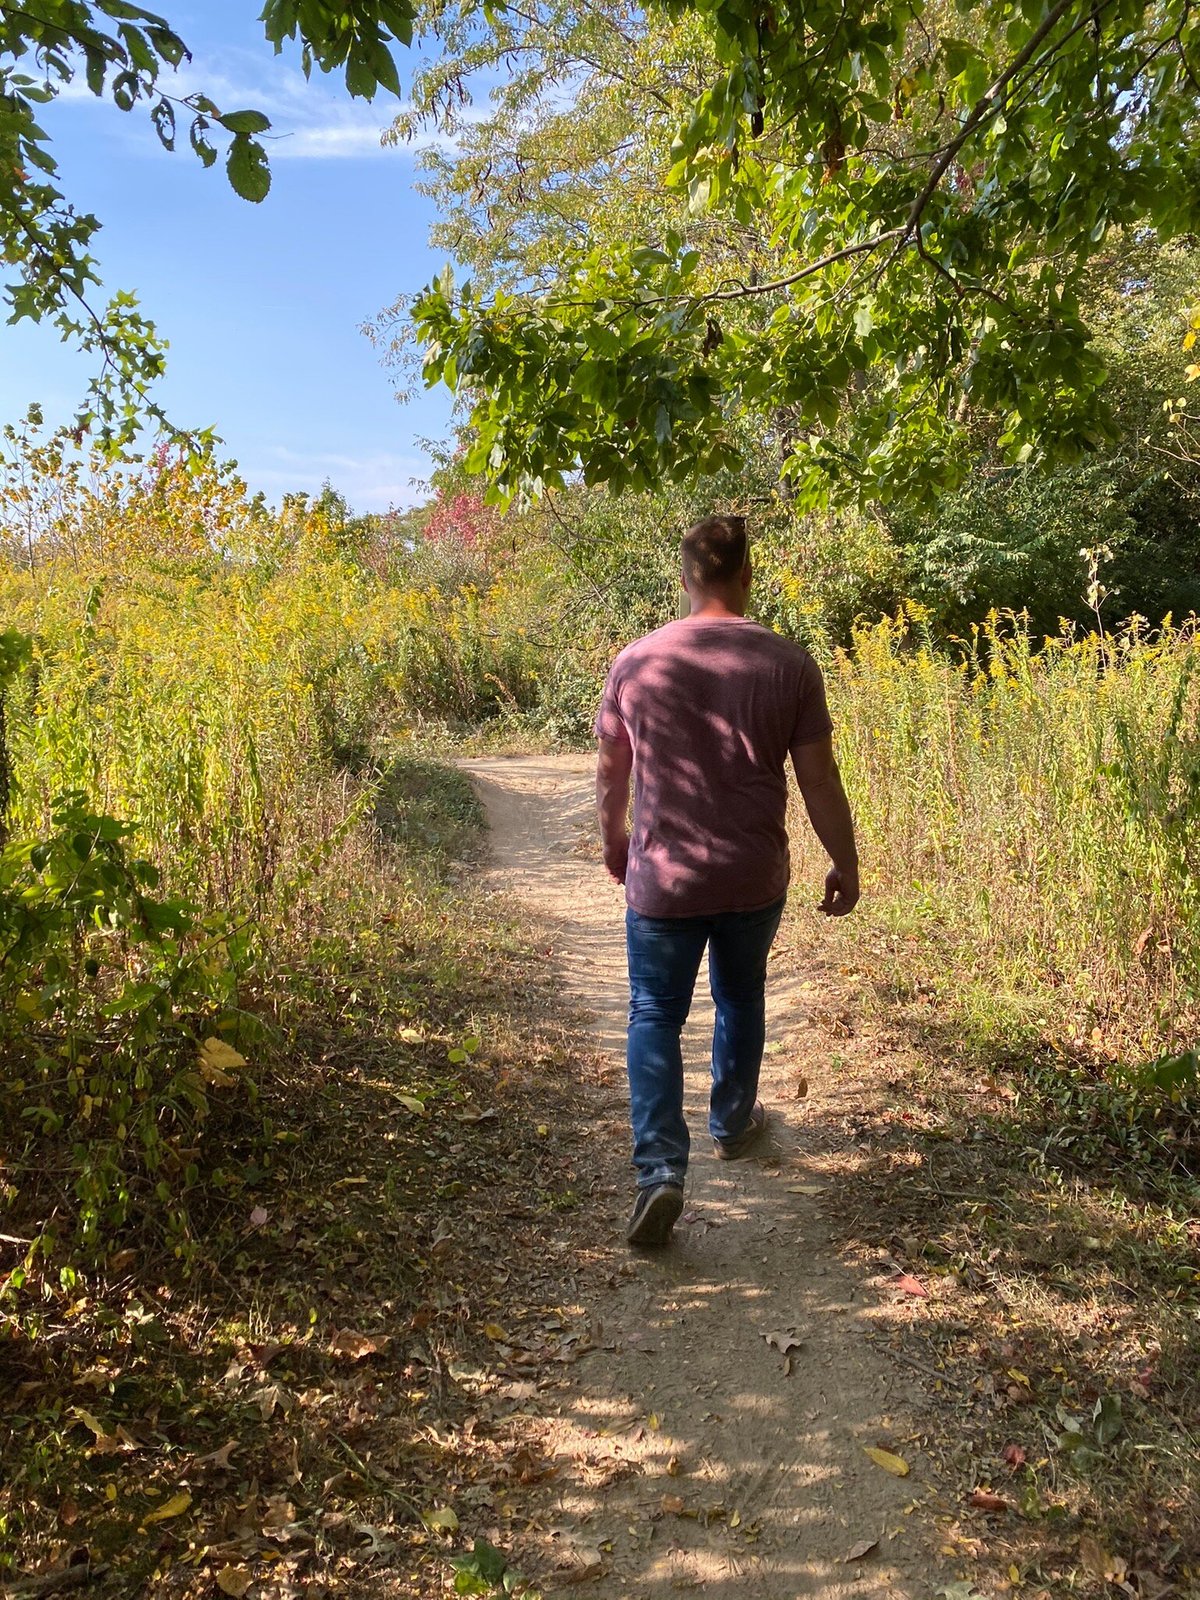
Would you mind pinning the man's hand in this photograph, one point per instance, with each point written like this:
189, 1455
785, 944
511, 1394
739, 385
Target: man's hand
616, 857
841, 891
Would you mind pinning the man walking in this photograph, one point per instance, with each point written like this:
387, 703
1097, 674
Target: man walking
704, 714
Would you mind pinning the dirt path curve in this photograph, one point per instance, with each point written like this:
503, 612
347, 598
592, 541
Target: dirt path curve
691, 1452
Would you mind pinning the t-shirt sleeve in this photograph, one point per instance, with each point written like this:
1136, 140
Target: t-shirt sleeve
812, 714
610, 724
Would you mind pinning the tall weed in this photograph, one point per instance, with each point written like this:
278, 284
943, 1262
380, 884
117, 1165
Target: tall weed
1039, 800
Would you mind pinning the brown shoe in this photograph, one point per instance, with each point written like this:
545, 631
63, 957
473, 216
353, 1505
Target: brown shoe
735, 1149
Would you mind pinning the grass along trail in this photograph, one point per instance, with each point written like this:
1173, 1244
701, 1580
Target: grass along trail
715, 1434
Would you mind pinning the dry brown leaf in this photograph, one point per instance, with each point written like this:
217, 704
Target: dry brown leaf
985, 1500
270, 1397
784, 1339
806, 1188
357, 1345
579, 1564
281, 1513
861, 1549
1013, 1455
218, 1458
909, 1285
671, 1505
1097, 1560
234, 1581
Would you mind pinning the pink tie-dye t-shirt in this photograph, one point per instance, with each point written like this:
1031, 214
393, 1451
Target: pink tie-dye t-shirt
712, 707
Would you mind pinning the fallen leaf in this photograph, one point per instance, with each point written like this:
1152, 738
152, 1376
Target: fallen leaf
494, 1332
674, 1467
259, 1217
357, 1345
218, 1458
1019, 1377
654, 1420
909, 1284
442, 1520
985, 1500
896, 1465
411, 1103
806, 1188
801, 1088
281, 1513
268, 1398
234, 1581
1098, 1561
578, 1564
861, 1549
784, 1340
671, 1505
1013, 1456
68, 1512
174, 1507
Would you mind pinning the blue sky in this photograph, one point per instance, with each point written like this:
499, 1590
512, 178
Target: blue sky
263, 305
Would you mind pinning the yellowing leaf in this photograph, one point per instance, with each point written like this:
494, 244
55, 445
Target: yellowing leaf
442, 1520
218, 1057
1189, 341
89, 1421
654, 1421
174, 1507
896, 1465
1019, 1377
234, 1581
493, 1330
411, 1103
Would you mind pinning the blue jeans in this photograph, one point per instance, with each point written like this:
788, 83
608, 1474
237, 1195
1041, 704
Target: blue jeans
664, 958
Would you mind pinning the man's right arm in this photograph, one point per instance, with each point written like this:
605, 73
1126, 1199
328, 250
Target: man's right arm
829, 812
614, 765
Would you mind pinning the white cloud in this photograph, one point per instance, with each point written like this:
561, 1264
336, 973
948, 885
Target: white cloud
311, 119
370, 483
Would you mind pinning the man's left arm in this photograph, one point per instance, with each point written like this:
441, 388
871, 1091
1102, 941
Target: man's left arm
614, 765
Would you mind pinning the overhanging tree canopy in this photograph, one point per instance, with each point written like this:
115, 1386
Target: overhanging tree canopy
927, 188
125, 52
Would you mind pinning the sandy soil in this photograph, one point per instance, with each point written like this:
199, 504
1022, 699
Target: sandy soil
714, 1435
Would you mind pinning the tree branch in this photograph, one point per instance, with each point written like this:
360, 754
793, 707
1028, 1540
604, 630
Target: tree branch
985, 107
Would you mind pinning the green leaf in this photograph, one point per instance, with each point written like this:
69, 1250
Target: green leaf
247, 168
244, 121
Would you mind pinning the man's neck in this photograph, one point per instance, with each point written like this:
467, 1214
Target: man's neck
717, 605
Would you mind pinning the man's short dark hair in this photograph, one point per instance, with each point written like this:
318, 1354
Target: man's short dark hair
715, 551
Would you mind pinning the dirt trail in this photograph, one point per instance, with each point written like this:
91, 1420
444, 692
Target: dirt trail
688, 1456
